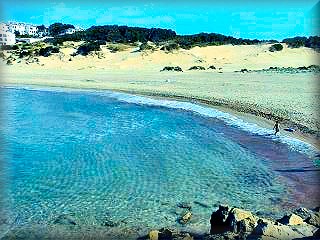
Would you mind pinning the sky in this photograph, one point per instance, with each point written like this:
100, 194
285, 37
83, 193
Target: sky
272, 19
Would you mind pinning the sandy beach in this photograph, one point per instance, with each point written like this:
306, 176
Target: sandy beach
292, 97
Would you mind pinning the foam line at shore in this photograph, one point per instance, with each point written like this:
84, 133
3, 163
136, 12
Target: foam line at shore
229, 119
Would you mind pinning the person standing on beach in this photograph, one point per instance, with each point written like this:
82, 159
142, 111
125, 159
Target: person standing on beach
276, 127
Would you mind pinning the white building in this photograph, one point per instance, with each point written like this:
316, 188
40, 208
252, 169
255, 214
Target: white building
3, 27
68, 31
17, 27
7, 38
31, 29
22, 28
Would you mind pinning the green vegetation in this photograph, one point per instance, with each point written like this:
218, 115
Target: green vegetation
88, 47
276, 47
47, 51
9, 47
118, 47
57, 28
170, 47
2, 56
310, 42
146, 46
176, 69
125, 34
18, 35
25, 53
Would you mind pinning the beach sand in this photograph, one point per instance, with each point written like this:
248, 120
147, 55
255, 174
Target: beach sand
292, 97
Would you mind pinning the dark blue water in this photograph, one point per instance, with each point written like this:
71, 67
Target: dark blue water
92, 156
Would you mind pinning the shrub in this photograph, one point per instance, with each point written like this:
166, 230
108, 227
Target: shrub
170, 47
197, 68
176, 69
47, 51
2, 55
114, 48
15, 47
295, 42
146, 46
276, 47
25, 53
9, 62
9, 47
211, 67
88, 47
117, 47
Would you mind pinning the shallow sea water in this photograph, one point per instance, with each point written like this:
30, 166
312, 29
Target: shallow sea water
103, 155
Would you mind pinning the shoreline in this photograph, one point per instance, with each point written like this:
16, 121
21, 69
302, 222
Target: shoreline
250, 116
140, 232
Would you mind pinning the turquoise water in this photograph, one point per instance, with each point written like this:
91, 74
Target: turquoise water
102, 154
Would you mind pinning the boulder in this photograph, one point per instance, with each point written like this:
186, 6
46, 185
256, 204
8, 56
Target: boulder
154, 235
65, 219
304, 213
305, 229
183, 236
185, 217
166, 234
314, 219
291, 219
240, 220
218, 220
246, 225
273, 230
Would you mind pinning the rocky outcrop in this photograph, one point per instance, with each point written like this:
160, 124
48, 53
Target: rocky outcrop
197, 68
314, 219
168, 234
291, 219
218, 220
168, 68
244, 225
235, 220
274, 230
185, 217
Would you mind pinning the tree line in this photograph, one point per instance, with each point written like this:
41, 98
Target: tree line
125, 34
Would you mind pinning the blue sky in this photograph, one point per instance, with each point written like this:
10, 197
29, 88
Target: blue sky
247, 19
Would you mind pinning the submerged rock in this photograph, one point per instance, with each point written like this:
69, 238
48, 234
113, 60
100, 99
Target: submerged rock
185, 217
186, 205
109, 223
65, 219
